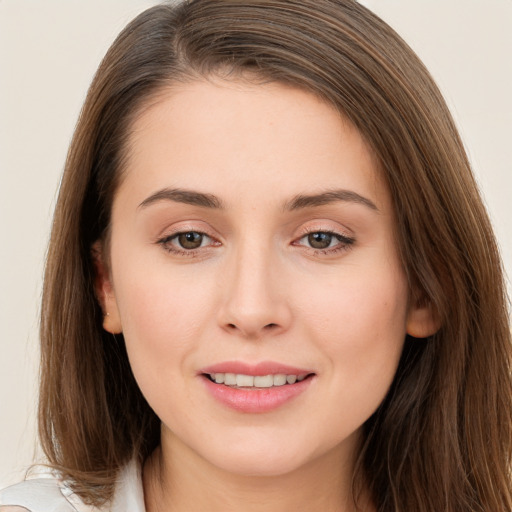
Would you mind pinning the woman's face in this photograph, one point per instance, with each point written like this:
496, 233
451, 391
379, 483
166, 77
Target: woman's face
252, 243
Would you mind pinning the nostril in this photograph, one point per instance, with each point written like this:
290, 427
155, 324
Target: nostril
267, 327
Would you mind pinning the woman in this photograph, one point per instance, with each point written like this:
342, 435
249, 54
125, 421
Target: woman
271, 283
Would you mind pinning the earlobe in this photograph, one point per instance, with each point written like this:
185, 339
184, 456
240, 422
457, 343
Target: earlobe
105, 291
422, 321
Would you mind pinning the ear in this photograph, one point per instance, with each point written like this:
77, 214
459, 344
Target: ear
105, 291
422, 319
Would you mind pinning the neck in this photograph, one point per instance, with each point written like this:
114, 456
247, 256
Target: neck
176, 479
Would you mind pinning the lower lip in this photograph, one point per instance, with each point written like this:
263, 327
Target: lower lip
256, 400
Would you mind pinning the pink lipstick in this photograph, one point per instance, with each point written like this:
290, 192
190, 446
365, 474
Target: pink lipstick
255, 388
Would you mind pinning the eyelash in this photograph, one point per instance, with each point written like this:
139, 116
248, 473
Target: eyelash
166, 243
345, 243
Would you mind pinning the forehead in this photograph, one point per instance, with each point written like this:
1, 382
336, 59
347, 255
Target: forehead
226, 135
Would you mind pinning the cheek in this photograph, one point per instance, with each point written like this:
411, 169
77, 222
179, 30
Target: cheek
162, 313
364, 305
359, 322
162, 322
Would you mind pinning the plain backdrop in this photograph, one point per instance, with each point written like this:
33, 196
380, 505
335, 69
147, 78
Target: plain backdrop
48, 54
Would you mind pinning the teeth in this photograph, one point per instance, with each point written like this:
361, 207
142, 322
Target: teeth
230, 379
250, 381
266, 381
279, 380
244, 381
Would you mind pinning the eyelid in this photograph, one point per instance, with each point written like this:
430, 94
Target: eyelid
166, 239
168, 235
346, 241
186, 226
325, 226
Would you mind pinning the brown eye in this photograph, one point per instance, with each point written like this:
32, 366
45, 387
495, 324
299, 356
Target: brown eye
190, 240
320, 240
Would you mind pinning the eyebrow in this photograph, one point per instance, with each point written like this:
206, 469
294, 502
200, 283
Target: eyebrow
328, 197
298, 202
179, 195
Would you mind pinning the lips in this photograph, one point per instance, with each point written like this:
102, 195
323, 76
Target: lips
259, 369
257, 388
241, 380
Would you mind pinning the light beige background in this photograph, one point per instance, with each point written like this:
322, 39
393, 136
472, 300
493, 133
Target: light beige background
49, 51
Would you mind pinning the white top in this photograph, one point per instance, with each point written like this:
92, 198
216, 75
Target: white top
45, 492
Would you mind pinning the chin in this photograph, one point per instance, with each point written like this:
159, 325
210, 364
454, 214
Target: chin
260, 464
271, 457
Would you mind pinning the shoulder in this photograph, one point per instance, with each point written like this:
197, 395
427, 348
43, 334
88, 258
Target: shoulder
48, 493
36, 495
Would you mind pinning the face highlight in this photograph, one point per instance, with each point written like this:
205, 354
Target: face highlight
255, 276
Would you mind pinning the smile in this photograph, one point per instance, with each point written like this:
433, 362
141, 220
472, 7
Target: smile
239, 380
256, 389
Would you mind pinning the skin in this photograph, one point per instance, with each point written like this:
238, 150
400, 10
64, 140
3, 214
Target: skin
255, 290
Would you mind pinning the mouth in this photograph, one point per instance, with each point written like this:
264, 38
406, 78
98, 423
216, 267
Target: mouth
256, 388
244, 381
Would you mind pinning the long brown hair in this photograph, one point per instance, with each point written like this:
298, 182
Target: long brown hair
442, 438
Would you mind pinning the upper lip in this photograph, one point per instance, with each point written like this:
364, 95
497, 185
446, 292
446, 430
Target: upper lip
255, 369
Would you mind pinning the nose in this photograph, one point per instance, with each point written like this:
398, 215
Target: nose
255, 302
